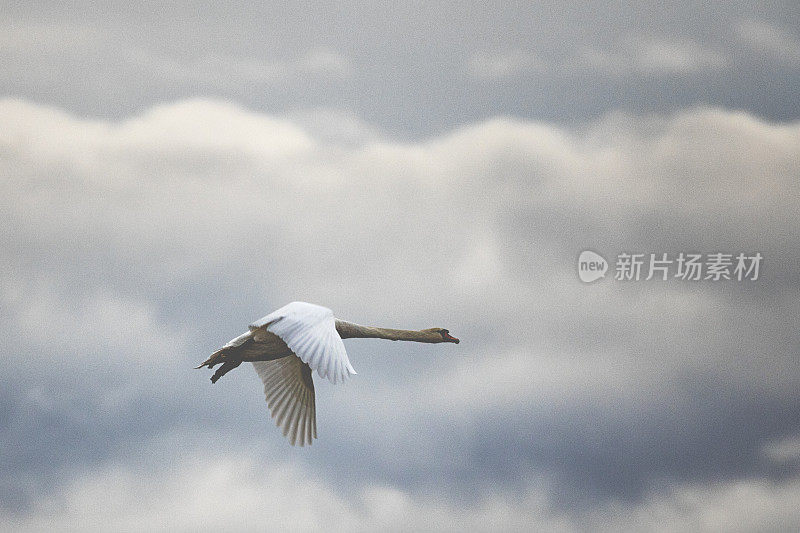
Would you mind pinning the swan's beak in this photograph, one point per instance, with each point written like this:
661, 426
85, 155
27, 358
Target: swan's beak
450, 338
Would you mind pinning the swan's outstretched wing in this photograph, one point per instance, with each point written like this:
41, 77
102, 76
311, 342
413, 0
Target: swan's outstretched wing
310, 332
290, 396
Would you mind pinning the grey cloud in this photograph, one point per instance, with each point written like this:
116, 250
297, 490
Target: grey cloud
221, 70
145, 243
416, 166
406, 70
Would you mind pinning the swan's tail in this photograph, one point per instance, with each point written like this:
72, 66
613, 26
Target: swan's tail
219, 357
215, 359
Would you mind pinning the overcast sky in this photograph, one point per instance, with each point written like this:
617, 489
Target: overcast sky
170, 174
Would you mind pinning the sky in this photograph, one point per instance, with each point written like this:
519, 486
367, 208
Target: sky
170, 173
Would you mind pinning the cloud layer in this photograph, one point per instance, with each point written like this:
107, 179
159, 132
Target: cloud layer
132, 248
412, 71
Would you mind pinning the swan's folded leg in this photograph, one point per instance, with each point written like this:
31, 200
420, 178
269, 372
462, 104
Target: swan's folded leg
226, 367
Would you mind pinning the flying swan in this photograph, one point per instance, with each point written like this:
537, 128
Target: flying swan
287, 344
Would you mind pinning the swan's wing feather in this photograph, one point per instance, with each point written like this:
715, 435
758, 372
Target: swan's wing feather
310, 332
289, 391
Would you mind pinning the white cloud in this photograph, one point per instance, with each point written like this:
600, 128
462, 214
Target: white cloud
198, 187
231, 492
740, 506
769, 39
503, 64
96, 325
675, 57
202, 212
784, 451
633, 56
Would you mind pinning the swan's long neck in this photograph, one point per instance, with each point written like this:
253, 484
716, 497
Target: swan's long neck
348, 330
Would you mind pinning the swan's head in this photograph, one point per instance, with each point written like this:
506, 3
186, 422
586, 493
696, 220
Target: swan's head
441, 335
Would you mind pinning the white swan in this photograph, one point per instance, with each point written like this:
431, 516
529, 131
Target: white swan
287, 344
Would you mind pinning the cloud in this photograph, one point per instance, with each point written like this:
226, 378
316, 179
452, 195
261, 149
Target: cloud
770, 40
64, 40
56, 53
429, 73
675, 57
783, 451
235, 493
234, 70
134, 247
633, 56
48, 38
503, 65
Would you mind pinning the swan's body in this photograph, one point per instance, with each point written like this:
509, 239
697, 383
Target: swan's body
287, 344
